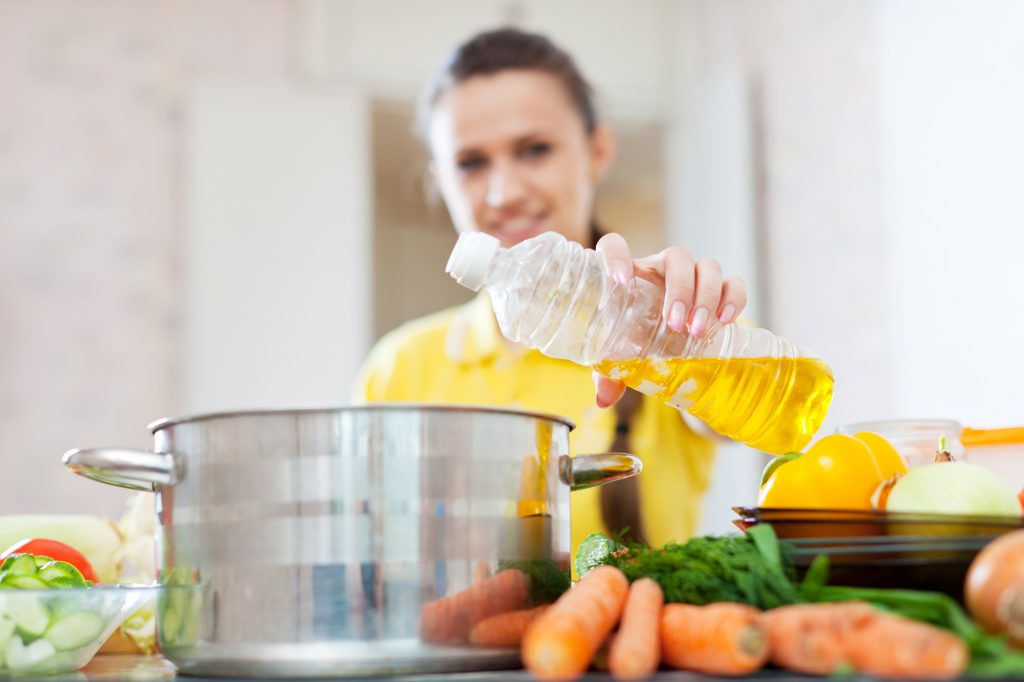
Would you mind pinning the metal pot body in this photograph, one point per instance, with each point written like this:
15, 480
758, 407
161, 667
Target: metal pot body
322, 542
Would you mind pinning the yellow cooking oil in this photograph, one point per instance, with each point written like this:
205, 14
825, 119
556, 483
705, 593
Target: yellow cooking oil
772, 404
533, 537
533, 493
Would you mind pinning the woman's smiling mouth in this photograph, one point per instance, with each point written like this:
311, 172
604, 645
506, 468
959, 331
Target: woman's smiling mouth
520, 227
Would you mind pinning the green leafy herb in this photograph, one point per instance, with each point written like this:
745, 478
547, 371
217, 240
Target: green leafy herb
747, 569
548, 578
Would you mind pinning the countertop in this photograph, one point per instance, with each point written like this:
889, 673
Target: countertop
157, 669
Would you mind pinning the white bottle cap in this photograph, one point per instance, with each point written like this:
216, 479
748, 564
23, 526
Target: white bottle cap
471, 258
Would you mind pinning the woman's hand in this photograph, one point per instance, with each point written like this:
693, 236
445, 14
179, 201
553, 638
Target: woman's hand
694, 291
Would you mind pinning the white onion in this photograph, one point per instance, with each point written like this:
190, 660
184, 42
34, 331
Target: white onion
953, 488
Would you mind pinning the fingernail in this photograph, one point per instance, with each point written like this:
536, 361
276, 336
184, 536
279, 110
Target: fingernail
600, 403
620, 273
700, 318
727, 312
677, 316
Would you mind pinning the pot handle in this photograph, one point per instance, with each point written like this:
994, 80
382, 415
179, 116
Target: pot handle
587, 471
133, 469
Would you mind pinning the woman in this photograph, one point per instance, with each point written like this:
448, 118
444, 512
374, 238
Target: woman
517, 150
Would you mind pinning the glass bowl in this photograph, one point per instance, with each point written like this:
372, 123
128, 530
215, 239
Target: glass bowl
58, 630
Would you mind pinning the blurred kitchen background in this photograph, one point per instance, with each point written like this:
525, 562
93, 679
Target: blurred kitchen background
218, 204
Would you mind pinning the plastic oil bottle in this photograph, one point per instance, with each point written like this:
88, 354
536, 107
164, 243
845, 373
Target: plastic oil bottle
552, 294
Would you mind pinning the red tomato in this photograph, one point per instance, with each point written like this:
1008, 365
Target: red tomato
55, 550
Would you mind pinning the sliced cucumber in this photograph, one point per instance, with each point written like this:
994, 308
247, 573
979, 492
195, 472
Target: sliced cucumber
175, 611
74, 631
61, 574
23, 582
41, 560
29, 615
170, 624
20, 564
20, 656
190, 626
66, 582
6, 633
55, 569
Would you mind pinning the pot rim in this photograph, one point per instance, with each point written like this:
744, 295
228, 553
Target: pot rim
166, 422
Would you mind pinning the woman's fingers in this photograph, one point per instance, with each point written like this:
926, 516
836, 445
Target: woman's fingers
734, 299
608, 390
615, 254
677, 268
708, 293
695, 293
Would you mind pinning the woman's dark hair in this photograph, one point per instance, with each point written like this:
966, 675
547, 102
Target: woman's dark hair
506, 49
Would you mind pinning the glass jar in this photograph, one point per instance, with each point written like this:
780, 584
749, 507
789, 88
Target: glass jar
916, 439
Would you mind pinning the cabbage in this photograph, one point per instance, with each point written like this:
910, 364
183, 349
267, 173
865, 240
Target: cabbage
137, 556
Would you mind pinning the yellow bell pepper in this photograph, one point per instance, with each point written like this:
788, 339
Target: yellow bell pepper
838, 472
889, 461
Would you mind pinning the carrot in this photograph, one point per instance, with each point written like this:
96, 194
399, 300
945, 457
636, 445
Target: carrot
635, 651
893, 646
826, 638
561, 643
449, 620
814, 638
721, 638
504, 629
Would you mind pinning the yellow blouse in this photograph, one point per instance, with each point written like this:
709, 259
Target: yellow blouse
459, 356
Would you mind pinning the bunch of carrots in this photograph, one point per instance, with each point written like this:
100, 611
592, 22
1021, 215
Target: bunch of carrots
630, 630
727, 638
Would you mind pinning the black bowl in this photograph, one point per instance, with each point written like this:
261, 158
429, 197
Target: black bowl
883, 549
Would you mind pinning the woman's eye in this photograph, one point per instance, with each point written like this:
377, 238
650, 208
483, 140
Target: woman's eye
536, 150
470, 164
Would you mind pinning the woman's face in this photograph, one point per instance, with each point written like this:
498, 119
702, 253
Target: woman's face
513, 159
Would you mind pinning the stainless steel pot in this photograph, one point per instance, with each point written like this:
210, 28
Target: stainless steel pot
320, 542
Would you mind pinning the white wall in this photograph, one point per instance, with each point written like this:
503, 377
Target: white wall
391, 47
891, 157
91, 97
712, 209
951, 111
277, 245
775, 146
